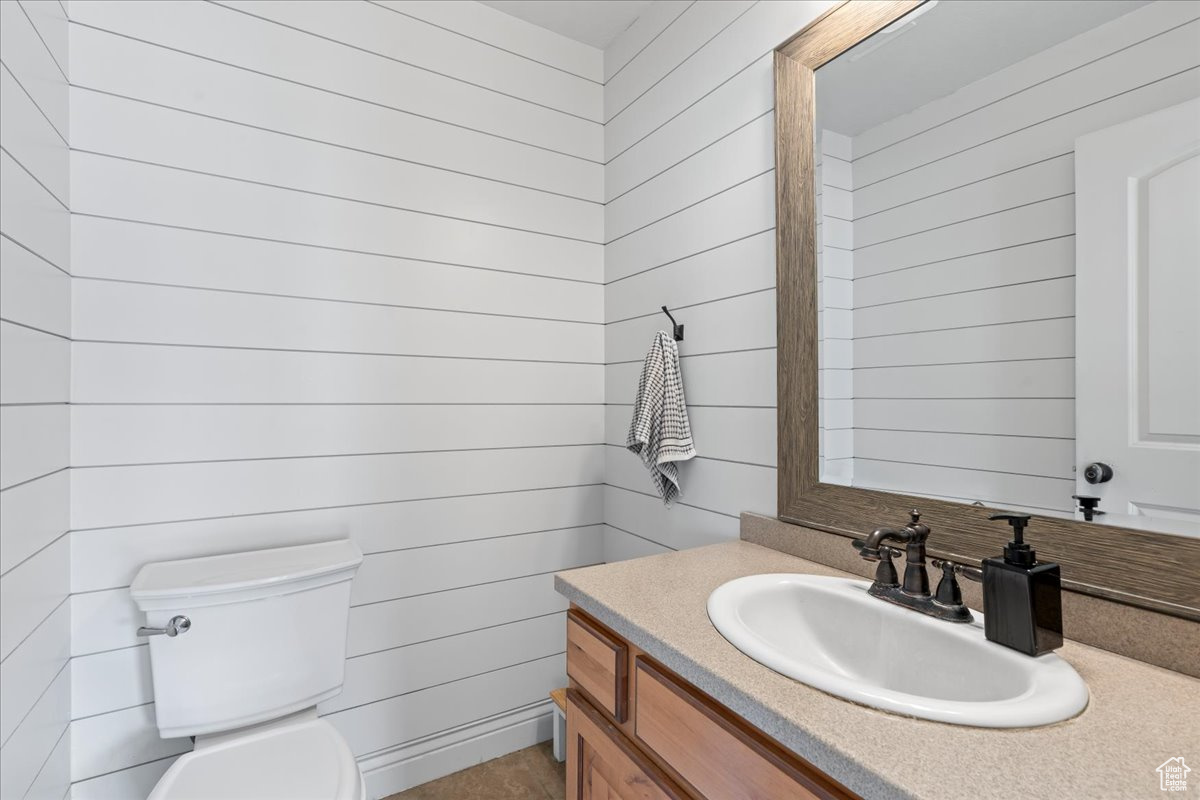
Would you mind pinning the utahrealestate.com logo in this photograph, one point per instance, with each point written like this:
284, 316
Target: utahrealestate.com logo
1173, 775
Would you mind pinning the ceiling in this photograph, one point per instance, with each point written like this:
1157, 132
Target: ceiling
955, 43
594, 22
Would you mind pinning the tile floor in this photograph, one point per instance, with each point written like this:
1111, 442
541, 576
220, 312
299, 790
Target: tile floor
529, 774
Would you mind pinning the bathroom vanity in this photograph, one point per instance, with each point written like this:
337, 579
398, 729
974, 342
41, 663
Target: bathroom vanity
637, 729
662, 706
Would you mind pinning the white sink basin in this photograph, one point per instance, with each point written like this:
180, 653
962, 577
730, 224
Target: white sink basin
830, 634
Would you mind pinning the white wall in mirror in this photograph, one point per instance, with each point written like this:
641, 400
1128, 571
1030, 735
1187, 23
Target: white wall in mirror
947, 236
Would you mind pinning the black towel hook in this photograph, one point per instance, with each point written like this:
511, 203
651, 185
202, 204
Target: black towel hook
678, 329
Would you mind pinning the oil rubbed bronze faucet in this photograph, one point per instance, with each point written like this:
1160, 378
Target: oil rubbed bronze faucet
914, 593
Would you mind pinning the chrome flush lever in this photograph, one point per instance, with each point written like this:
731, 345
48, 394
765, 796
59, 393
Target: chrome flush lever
175, 626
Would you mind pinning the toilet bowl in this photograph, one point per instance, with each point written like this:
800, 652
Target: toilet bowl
242, 649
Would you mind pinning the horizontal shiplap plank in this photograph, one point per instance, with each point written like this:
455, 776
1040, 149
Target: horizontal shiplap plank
32, 65
31, 668
747, 152
421, 618
136, 781
34, 441
109, 742
32, 516
1016, 454
53, 780
386, 576
124, 128
678, 527
722, 486
104, 435
1009, 416
210, 31
1039, 299
128, 312
35, 740
31, 139
743, 322
103, 497
110, 681
153, 254
401, 719
32, 216
1054, 378
734, 379
1039, 181
32, 291
29, 593
49, 18
746, 96
698, 279
116, 373
641, 33
1136, 26
1167, 54
730, 434
397, 37
753, 34
620, 545
686, 34
170, 197
498, 29
995, 489
1030, 223
1002, 341
34, 366
403, 670
138, 70
1053, 258
1051, 138
111, 557
741, 211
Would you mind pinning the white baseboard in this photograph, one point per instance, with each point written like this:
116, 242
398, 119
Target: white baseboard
423, 760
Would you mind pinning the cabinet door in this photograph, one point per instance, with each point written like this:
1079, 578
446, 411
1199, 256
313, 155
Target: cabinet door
715, 754
602, 765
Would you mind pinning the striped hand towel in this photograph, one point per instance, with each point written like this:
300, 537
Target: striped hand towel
660, 432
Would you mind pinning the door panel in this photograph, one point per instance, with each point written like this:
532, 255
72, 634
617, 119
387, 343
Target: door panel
1137, 187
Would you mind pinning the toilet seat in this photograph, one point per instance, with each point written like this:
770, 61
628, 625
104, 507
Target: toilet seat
306, 760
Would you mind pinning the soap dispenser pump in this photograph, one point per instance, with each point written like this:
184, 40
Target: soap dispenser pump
1022, 598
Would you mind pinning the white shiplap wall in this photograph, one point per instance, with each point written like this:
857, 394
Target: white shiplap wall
35, 330
689, 223
964, 264
339, 273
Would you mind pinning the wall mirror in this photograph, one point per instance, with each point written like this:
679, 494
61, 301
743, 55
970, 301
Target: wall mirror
989, 256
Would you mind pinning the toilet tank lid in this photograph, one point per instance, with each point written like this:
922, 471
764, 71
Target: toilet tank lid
239, 571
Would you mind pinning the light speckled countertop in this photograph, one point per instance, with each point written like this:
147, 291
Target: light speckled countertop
1138, 716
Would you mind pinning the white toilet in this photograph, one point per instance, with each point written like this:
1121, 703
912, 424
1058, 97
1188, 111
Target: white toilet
242, 648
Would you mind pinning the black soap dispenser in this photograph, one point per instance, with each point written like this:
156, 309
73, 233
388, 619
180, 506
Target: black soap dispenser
1022, 599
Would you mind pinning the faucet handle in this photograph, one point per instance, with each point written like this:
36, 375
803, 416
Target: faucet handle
962, 570
885, 573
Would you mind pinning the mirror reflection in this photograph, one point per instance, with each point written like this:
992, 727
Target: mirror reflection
1008, 248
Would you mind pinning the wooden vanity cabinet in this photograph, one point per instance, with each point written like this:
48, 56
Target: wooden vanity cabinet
637, 731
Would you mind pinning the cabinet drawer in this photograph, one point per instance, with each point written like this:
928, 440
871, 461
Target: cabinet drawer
598, 662
717, 754
603, 765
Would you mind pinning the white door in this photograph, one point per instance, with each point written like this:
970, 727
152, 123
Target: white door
1137, 312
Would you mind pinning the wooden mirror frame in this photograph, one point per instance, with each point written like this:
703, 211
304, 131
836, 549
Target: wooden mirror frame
1151, 570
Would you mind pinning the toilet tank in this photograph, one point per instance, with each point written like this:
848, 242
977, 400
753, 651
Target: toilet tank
267, 635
